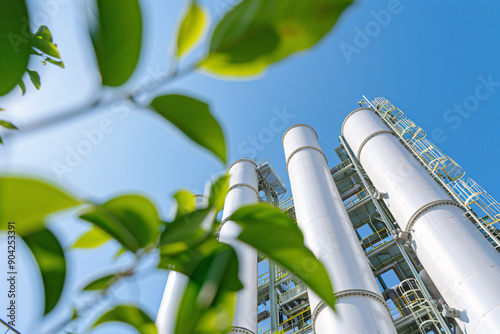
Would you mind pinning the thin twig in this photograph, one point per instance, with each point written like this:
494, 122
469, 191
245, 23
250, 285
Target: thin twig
70, 114
118, 277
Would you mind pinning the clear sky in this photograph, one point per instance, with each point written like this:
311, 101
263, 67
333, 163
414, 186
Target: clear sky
427, 57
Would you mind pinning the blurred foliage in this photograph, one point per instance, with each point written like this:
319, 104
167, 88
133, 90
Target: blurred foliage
130, 315
191, 29
194, 119
117, 40
248, 39
258, 33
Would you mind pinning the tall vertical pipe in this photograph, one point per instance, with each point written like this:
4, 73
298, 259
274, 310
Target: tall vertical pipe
243, 190
331, 237
462, 264
174, 290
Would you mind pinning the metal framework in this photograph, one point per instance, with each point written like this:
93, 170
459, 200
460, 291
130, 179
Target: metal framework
283, 301
482, 208
412, 308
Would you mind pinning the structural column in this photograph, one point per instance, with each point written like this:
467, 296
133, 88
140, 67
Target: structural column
331, 237
174, 289
462, 264
243, 190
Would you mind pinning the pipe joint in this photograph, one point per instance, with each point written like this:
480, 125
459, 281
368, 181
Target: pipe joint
350, 114
294, 126
240, 330
241, 160
301, 149
237, 185
367, 139
346, 293
426, 208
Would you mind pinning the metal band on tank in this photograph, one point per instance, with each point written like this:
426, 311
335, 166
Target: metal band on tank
350, 114
243, 185
244, 159
294, 126
305, 148
358, 155
241, 330
237, 185
365, 293
427, 207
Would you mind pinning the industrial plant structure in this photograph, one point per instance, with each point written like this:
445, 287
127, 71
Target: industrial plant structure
410, 243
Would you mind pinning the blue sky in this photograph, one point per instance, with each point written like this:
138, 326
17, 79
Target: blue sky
426, 57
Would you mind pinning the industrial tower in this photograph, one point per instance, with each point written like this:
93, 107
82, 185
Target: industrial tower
410, 244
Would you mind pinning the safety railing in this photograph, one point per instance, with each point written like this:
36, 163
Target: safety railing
287, 206
279, 273
286, 203
438, 162
297, 323
358, 197
376, 239
474, 196
410, 300
412, 303
340, 166
266, 329
289, 295
293, 325
263, 279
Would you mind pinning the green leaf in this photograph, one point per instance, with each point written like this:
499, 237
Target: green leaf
271, 232
45, 46
55, 62
93, 238
218, 192
44, 33
2, 109
208, 302
191, 29
194, 119
131, 219
14, 46
35, 78
257, 33
188, 260
101, 283
186, 202
1, 140
117, 42
22, 86
120, 252
186, 231
74, 313
216, 318
49, 256
18, 194
8, 125
131, 315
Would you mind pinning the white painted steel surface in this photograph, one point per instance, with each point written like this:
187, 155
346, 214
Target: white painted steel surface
172, 296
462, 264
329, 234
174, 289
243, 185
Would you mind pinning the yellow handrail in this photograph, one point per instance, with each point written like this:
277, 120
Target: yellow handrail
372, 242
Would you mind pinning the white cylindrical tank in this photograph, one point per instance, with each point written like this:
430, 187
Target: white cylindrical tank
462, 264
174, 289
331, 237
243, 190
